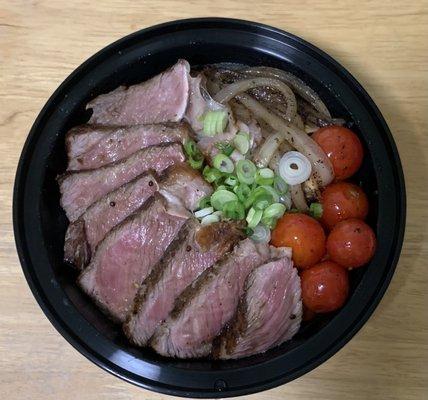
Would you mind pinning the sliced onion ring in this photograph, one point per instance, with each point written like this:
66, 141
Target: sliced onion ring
294, 168
323, 170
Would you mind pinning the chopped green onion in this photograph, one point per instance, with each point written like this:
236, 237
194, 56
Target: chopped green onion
249, 231
245, 171
194, 156
273, 192
260, 198
222, 187
242, 143
223, 163
269, 222
218, 213
195, 161
261, 234
204, 202
242, 191
215, 122
253, 217
275, 210
234, 210
220, 197
204, 212
315, 209
211, 174
225, 148
264, 176
210, 219
190, 148
280, 185
231, 181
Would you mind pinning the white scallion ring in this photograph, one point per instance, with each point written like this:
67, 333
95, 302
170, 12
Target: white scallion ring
261, 234
294, 168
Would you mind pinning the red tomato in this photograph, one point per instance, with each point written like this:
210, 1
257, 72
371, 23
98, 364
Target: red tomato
342, 201
325, 287
342, 147
351, 243
304, 235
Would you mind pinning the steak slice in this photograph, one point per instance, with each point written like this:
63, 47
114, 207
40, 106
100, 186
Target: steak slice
162, 98
194, 250
268, 314
91, 147
80, 189
84, 234
128, 253
185, 183
208, 304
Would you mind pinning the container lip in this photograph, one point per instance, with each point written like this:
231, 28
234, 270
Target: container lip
85, 349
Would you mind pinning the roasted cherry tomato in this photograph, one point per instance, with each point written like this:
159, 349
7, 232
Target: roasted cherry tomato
342, 147
304, 235
351, 243
325, 287
342, 201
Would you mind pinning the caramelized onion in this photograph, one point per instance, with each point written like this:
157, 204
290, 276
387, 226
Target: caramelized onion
322, 168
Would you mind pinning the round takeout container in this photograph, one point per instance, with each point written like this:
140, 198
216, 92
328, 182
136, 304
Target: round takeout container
40, 223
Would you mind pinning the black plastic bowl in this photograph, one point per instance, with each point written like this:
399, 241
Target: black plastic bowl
40, 223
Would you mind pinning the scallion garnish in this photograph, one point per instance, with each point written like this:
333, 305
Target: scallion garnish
211, 174
196, 161
246, 171
242, 142
231, 181
280, 185
225, 148
242, 191
223, 163
204, 202
253, 217
261, 234
220, 197
234, 210
215, 122
204, 212
210, 219
275, 210
264, 176
315, 209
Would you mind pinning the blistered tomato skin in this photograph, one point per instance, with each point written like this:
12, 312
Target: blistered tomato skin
341, 201
351, 243
304, 235
325, 287
343, 148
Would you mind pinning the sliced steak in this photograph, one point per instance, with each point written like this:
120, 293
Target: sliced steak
128, 253
194, 250
208, 304
268, 314
91, 147
163, 98
84, 234
185, 183
80, 189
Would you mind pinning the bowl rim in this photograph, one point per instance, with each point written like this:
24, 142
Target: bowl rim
43, 301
